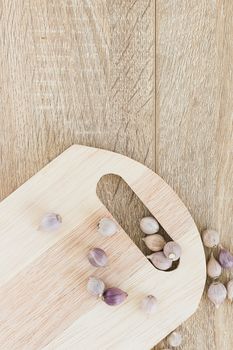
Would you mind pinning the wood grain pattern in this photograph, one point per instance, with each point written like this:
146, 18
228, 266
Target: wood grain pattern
195, 132
43, 298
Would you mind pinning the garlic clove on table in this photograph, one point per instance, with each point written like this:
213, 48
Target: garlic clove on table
107, 227
217, 293
97, 257
172, 250
149, 225
154, 242
50, 222
160, 261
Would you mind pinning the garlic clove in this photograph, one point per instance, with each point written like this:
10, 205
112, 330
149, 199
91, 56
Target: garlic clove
172, 250
154, 242
214, 269
107, 227
174, 339
160, 261
95, 286
210, 238
149, 225
97, 257
225, 258
114, 296
50, 222
230, 290
217, 293
149, 304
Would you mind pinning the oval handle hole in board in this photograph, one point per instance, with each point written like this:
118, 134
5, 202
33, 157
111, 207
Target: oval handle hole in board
127, 209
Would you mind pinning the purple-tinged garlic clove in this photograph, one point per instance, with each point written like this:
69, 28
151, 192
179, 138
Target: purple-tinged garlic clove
114, 296
50, 222
97, 257
225, 258
149, 304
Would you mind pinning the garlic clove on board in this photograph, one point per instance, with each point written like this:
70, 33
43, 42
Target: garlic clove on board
95, 286
174, 339
230, 290
154, 242
50, 222
160, 261
217, 293
149, 304
114, 296
107, 227
97, 257
172, 250
214, 269
210, 238
225, 258
149, 225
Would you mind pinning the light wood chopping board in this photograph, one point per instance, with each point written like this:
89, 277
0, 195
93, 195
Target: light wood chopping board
43, 276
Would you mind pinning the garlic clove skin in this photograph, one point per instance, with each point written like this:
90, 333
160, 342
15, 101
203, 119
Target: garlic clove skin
217, 293
95, 286
172, 250
97, 257
225, 258
214, 269
154, 242
230, 290
160, 261
149, 225
114, 296
149, 304
174, 339
50, 222
107, 227
210, 238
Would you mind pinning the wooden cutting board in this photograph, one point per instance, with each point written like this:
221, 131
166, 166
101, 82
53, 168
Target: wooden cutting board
43, 276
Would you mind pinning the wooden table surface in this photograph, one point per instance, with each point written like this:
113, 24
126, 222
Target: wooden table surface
82, 71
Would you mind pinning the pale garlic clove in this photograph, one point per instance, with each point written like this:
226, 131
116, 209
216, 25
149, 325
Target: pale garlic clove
225, 258
160, 261
149, 304
174, 339
230, 290
50, 222
214, 269
154, 242
114, 296
97, 257
95, 286
210, 238
107, 227
172, 250
217, 293
149, 225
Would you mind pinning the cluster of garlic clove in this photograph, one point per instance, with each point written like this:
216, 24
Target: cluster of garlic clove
217, 292
164, 253
111, 296
98, 258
